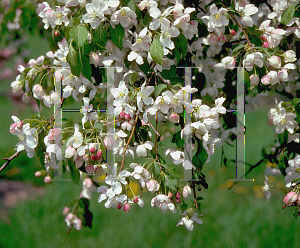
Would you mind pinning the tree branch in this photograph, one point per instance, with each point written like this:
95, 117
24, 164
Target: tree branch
123, 159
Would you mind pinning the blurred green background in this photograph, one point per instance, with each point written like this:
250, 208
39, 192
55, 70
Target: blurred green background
237, 217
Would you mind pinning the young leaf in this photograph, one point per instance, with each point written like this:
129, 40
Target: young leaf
78, 34
156, 50
156, 169
98, 125
117, 35
72, 59
75, 175
288, 14
159, 88
171, 183
100, 38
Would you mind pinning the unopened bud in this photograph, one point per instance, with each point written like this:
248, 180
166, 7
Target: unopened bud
119, 205
122, 114
135, 199
170, 195
37, 174
232, 32
178, 195
95, 59
127, 117
66, 210
47, 179
90, 169
174, 118
93, 157
266, 44
127, 207
178, 200
56, 33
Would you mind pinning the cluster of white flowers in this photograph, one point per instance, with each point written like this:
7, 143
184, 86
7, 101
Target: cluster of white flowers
168, 28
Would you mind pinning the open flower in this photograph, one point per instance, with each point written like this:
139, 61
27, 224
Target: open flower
266, 188
143, 96
188, 221
77, 139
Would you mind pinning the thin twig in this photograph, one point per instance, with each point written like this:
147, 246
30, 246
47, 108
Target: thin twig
8, 160
250, 169
123, 159
194, 192
153, 128
243, 30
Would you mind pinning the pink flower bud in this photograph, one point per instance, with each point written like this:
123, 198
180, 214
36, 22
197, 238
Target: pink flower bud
56, 33
20, 125
254, 79
263, 38
122, 114
108, 142
95, 59
26, 98
93, 157
178, 195
55, 99
119, 205
275, 62
66, 210
92, 150
290, 197
126, 207
174, 118
186, 191
69, 152
47, 179
16, 86
86, 157
87, 183
152, 185
98, 170
265, 79
232, 32
37, 174
90, 169
13, 128
290, 56
99, 154
170, 195
37, 89
127, 117
135, 199
178, 200
266, 44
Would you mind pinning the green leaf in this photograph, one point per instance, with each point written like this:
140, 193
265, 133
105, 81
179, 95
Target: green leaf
78, 34
117, 35
171, 183
75, 175
171, 170
100, 38
98, 125
197, 162
237, 47
169, 74
288, 14
246, 80
177, 55
72, 59
146, 21
9, 153
86, 67
181, 44
156, 169
156, 50
158, 89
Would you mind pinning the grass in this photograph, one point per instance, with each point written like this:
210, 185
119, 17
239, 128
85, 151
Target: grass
239, 217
